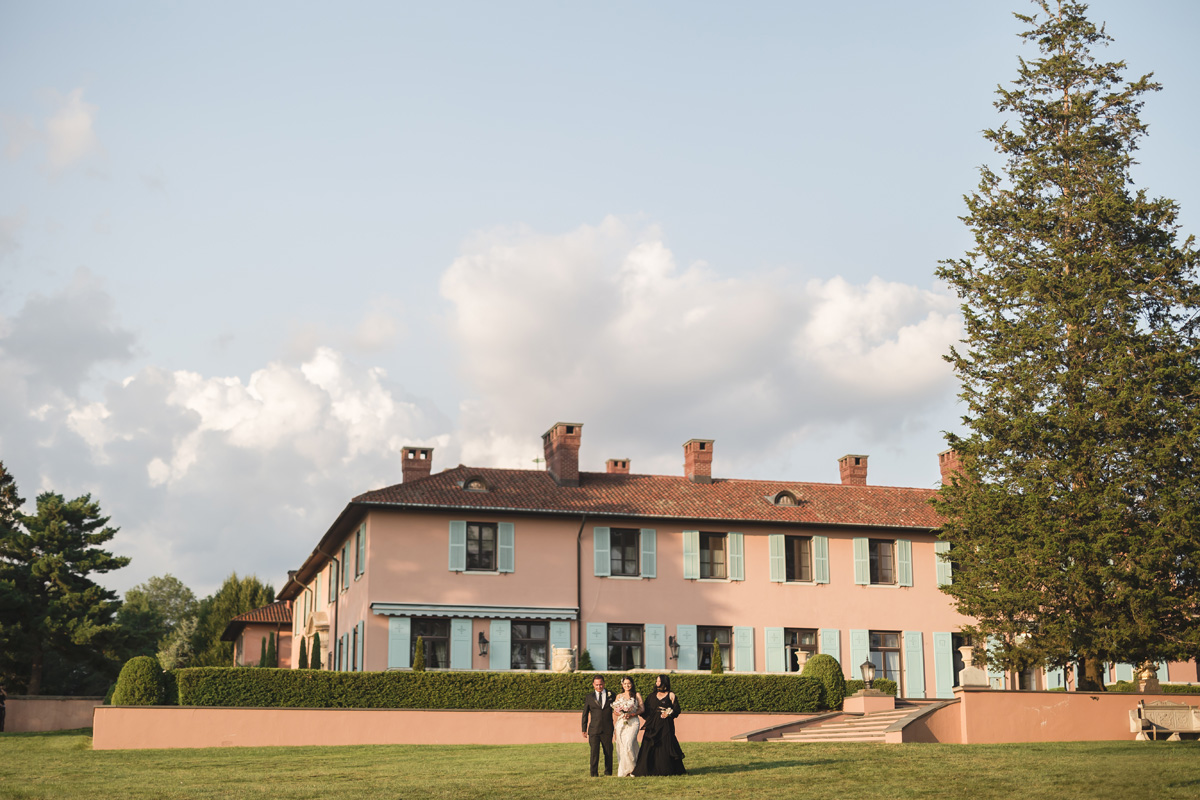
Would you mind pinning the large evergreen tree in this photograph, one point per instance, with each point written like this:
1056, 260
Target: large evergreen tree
1074, 524
51, 612
236, 596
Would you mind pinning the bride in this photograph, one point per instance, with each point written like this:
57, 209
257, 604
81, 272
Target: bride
626, 708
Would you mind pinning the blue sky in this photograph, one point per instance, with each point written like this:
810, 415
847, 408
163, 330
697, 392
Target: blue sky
247, 251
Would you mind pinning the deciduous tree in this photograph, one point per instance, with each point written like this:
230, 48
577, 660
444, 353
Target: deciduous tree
236, 596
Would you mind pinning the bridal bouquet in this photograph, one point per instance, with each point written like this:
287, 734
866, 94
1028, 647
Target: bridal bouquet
624, 705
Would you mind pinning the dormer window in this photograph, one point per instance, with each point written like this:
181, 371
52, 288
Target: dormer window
475, 485
786, 499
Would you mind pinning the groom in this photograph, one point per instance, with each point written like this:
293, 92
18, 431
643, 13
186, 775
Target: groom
598, 730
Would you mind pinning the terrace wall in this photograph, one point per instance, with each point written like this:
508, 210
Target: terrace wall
28, 714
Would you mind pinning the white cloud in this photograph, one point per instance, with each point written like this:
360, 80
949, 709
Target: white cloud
70, 131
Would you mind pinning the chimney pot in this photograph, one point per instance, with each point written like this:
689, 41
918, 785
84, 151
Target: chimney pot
697, 460
950, 464
416, 463
561, 446
853, 469
618, 466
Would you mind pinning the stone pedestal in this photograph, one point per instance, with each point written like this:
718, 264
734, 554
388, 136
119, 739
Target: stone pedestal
867, 701
563, 659
1147, 680
971, 675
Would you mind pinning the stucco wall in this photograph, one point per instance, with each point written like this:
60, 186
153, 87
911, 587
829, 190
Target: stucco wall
123, 728
28, 714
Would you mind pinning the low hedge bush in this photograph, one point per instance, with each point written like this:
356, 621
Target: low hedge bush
885, 685
287, 688
1167, 688
140, 683
826, 670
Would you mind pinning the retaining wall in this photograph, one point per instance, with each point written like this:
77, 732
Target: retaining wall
28, 713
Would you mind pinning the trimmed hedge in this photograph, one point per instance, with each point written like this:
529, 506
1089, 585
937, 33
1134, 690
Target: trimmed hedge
885, 685
1167, 688
288, 688
826, 670
140, 683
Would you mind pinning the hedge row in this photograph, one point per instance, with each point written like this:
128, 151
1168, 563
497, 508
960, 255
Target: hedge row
302, 688
885, 685
1167, 688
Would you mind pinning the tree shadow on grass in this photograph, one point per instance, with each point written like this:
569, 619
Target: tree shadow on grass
45, 734
732, 769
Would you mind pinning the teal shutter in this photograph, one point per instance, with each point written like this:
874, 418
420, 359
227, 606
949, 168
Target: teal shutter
941, 551
458, 545
362, 645
345, 667
737, 560
601, 554
399, 634
346, 565
691, 555
500, 650
560, 636
778, 562
831, 642
914, 664
460, 644
776, 655
820, 559
1124, 672
508, 547
1163, 674
597, 644
656, 646
361, 563
860, 651
943, 665
862, 562
649, 542
904, 557
689, 653
743, 649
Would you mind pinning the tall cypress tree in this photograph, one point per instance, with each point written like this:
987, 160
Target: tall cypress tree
316, 652
1074, 524
303, 664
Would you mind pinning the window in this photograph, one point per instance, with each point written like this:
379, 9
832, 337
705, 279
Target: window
333, 572
712, 556
354, 651
885, 654
796, 640
709, 635
530, 645
623, 551
435, 635
798, 555
475, 485
481, 546
346, 566
625, 647
786, 499
883, 560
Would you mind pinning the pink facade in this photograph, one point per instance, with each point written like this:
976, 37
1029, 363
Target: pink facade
247, 647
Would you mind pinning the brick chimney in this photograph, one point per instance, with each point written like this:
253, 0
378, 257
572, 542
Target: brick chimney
417, 461
854, 470
561, 445
697, 460
950, 465
618, 466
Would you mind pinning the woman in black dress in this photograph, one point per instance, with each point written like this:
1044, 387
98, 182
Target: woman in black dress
660, 753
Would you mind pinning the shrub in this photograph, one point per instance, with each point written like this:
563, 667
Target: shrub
718, 666
262, 656
272, 657
828, 672
418, 662
316, 652
140, 683
585, 661
303, 653
885, 685
287, 688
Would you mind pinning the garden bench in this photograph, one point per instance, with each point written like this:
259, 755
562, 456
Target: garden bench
1163, 716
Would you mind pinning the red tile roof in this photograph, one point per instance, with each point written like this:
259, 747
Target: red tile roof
663, 496
279, 611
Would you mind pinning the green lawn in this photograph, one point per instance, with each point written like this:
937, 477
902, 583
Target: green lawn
62, 765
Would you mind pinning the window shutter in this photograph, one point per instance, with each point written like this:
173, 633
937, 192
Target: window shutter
500, 650
460, 644
458, 545
914, 664
689, 654
1124, 672
831, 642
862, 562
345, 652
560, 636
1056, 678
601, 554
860, 651
362, 645
597, 644
737, 562
691, 556
361, 563
656, 647
331, 586
508, 547
943, 665
346, 565
904, 558
820, 559
399, 634
776, 655
649, 543
743, 649
941, 551
778, 564
1163, 674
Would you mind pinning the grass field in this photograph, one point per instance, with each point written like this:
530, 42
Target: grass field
63, 765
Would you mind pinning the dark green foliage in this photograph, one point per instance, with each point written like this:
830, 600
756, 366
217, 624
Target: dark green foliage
272, 653
718, 665
826, 671
585, 661
236, 596
262, 653
140, 683
151, 613
229, 686
885, 685
315, 663
57, 631
1075, 526
303, 653
418, 659
1167, 688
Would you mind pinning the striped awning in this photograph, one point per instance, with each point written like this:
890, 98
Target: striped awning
473, 612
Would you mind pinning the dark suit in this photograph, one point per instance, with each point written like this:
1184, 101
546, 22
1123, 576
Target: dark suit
598, 725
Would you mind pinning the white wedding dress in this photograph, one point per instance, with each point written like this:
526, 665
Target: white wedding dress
625, 733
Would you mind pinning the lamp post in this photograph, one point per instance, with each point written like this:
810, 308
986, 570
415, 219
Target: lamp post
483, 644
674, 646
868, 673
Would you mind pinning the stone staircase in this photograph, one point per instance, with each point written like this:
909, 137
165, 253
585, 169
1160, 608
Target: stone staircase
849, 727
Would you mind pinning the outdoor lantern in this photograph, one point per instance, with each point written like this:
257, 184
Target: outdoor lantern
867, 669
483, 644
674, 645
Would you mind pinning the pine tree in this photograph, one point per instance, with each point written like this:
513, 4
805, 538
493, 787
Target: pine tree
418, 661
1074, 524
316, 652
303, 664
